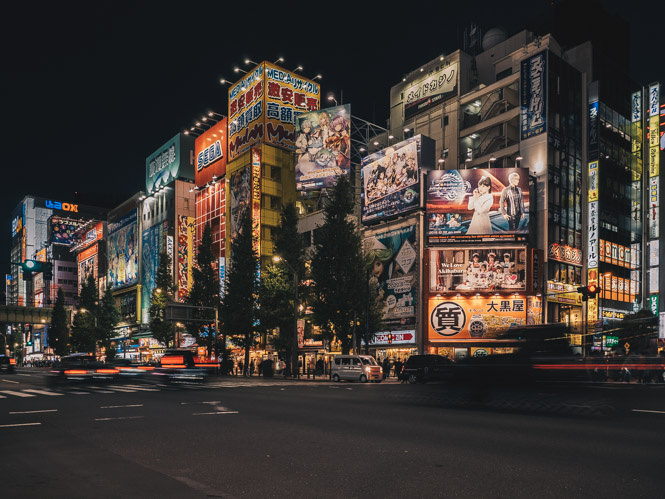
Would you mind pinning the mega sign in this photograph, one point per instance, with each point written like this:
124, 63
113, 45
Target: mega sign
58, 205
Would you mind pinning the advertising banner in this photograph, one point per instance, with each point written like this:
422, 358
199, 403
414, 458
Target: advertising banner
63, 231
478, 269
533, 92
480, 204
394, 337
594, 130
94, 234
222, 276
392, 258
431, 90
246, 122
391, 180
287, 96
636, 107
239, 193
592, 236
173, 160
256, 200
210, 152
474, 318
153, 243
593, 181
323, 147
565, 253
87, 266
186, 235
123, 260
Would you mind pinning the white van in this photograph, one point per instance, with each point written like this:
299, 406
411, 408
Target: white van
361, 368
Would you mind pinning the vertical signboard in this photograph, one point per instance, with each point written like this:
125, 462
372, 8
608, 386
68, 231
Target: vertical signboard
122, 247
533, 91
153, 244
653, 107
256, 200
186, 229
246, 126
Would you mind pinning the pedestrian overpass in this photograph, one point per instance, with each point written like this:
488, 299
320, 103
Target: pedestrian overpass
16, 314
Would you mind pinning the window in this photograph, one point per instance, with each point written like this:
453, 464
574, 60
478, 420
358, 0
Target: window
356, 362
346, 361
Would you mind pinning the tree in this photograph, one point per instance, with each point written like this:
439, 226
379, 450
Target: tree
290, 248
58, 332
239, 306
276, 307
108, 317
161, 330
337, 268
205, 292
369, 322
84, 334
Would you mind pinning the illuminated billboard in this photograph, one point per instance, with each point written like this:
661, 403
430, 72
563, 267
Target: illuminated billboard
87, 263
185, 264
472, 318
533, 95
153, 243
239, 197
256, 200
123, 259
390, 178
210, 153
392, 257
478, 269
173, 160
431, 90
480, 204
264, 105
323, 147
64, 230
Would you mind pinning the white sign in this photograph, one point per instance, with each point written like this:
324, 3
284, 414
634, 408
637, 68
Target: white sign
661, 326
636, 105
654, 99
592, 252
394, 337
653, 280
654, 250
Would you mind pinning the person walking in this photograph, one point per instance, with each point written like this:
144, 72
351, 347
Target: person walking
398, 368
240, 368
386, 367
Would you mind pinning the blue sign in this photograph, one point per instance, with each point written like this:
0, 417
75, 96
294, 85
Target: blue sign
533, 92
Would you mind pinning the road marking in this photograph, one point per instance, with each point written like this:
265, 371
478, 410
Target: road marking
121, 417
21, 374
219, 412
77, 393
649, 411
10, 381
33, 412
42, 392
119, 406
121, 389
140, 388
17, 394
98, 390
18, 424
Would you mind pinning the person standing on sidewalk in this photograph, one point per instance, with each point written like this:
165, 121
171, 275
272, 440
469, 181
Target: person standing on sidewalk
386, 367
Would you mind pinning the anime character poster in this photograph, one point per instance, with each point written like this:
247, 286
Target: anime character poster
239, 191
323, 147
123, 262
478, 269
489, 204
391, 181
153, 244
392, 260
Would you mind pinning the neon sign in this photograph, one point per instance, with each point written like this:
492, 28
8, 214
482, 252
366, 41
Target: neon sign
57, 205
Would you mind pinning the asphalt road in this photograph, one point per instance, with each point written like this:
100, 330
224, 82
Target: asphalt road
282, 438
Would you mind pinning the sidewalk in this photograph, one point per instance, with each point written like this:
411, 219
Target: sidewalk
302, 378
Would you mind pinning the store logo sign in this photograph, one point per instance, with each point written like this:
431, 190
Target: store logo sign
57, 205
448, 318
209, 155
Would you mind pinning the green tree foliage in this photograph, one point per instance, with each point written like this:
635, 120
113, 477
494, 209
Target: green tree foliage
58, 331
276, 306
162, 330
239, 306
369, 321
337, 268
205, 292
84, 332
108, 317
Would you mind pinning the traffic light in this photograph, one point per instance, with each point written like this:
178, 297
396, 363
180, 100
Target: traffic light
31, 267
590, 291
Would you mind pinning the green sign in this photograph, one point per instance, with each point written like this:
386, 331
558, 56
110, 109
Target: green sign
175, 159
611, 341
653, 304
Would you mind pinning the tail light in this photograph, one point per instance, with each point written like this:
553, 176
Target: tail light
75, 371
107, 371
145, 368
12, 362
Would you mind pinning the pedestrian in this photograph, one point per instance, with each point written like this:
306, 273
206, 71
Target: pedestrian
240, 368
260, 367
398, 368
251, 367
319, 367
386, 367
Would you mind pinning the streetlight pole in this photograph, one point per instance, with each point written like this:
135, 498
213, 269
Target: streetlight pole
294, 355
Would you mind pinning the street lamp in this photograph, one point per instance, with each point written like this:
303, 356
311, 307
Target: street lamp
294, 355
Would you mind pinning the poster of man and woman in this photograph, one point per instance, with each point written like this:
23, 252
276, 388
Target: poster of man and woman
477, 203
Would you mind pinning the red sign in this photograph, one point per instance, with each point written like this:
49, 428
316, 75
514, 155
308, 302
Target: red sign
394, 337
211, 151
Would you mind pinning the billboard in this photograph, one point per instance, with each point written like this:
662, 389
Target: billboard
239, 193
256, 200
210, 153
533, 95
431, 90
173, 160
186, 235
323, 147
392, 257
478, 269
153, 243
264, 105
474, 318
64, 230
123, 260
390, 180
87, 263
481, 204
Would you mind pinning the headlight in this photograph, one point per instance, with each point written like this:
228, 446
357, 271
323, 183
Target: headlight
367, 369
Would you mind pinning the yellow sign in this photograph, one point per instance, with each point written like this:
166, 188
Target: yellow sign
593, 181
654, 132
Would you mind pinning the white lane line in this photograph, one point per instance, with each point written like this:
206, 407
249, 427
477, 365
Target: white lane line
219, 412
77, 393
17, 394
121, 389
33, 412
99, 390
10, 381
121, 417
119, 406
649, 411
21, 374
18, 424
140, 388
208, 402
42, 392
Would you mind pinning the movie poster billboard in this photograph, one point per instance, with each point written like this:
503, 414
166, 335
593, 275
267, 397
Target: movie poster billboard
392, 257
123, 260
533, 92
210, 153
64, 231
472, 318
153, 243
323, 147
478, 269
173, 160
480, 204
186, 235
390, 180
239, 197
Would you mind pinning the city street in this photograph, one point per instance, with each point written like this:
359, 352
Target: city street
235, 437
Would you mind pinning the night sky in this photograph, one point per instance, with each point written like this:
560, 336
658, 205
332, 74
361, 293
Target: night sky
88, 91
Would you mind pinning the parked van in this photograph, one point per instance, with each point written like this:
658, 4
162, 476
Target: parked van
361, 368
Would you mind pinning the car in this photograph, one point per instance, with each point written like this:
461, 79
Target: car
7, 364
81, 367
130, 368
179, 366
361, 368
427, 367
